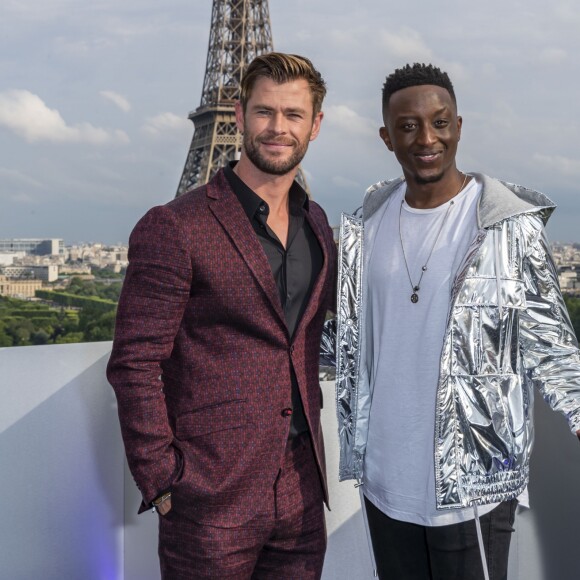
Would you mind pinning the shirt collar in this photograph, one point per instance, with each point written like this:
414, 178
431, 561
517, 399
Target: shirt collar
254, 205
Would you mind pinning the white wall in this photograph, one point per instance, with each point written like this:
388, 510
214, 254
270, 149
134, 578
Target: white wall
61, 465
69, 505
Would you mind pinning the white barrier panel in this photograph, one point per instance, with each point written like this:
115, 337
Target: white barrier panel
69, 504
61, 465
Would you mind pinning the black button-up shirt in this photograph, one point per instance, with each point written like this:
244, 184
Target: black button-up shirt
295, 268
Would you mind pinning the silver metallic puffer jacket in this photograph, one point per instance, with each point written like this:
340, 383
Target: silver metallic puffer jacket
508, 330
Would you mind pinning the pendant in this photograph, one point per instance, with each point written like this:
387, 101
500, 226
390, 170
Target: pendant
414, 298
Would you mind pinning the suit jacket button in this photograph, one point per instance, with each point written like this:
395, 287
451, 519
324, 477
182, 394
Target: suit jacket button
286, 412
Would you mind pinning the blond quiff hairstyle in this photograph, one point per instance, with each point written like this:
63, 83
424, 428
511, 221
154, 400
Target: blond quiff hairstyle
283, 68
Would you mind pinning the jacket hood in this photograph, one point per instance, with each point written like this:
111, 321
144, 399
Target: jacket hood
499, 200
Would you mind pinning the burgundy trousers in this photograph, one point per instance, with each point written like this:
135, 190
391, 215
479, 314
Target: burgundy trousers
286, 541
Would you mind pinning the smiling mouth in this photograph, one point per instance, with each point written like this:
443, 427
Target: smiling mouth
427, 157
276, 143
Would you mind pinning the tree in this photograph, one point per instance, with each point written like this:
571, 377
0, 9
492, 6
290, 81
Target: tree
573, 305
99, 328
71, 337
20, 330
40, 337
5, 339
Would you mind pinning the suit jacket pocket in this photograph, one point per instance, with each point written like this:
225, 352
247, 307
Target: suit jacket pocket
212, 419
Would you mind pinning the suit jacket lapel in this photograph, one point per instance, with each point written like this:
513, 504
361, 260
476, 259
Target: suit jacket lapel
225, 206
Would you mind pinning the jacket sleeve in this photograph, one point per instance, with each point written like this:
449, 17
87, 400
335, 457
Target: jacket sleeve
328, 349
151, 306
549, 345
327, 361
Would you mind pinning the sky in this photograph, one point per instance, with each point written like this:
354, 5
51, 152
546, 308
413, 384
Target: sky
95, 95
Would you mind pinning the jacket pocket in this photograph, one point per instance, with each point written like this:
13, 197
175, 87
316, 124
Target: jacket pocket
492, 415
212, 419
485, 337
487, 291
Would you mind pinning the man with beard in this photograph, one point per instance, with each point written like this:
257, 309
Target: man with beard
215, 357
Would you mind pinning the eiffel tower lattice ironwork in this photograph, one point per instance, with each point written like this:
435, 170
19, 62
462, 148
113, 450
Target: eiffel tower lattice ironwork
240, 31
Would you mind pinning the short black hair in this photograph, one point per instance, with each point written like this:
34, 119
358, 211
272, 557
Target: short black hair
413, 75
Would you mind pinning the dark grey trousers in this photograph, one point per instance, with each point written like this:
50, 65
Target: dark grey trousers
406, 551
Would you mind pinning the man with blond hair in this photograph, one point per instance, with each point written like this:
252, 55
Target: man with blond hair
215, 358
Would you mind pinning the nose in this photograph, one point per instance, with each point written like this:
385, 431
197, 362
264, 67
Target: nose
426, 135
278, 123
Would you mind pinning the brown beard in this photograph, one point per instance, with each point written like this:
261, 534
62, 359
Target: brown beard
273, 166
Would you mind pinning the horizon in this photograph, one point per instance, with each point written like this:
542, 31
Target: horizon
94, 114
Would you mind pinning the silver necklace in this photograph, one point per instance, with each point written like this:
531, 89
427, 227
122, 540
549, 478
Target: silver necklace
416, 287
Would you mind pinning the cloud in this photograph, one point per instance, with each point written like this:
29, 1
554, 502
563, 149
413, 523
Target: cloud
406, 45
552, 56
307, 174
567, 12
166, 123
26, 115
22, 198
35, 10
559, 164
116, 99
346, 119
347, 37
346, 183
16, 177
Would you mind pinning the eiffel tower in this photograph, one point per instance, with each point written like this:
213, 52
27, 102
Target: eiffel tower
240, 31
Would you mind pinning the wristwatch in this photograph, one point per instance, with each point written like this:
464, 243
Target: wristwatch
159, 500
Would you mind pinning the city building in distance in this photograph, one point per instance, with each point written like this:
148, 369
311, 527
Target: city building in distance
33, 246
28, 265
567, 259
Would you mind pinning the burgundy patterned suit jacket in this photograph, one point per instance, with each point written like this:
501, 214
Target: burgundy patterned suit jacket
201, 358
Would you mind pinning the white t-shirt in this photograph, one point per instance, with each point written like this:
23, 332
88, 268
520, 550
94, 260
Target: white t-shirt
399, 468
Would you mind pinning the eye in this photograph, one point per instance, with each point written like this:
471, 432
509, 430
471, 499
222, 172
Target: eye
440, 123
408, 126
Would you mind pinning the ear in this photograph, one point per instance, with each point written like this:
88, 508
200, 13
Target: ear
459, 125
240, 117
316, 125
384, 134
